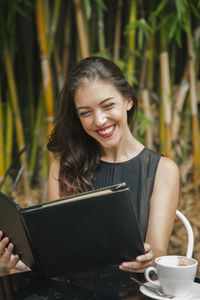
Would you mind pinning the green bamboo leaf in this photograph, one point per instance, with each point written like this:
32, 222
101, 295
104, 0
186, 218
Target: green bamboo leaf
143, 123
178, 38
169, 99
122, 65
173, 28
186, 25
157, 12
131, 26
140, 23
140, 38
196, 9
101, 54
144, 30
149, 54
131, 78
102, 4
181, 6
160, 7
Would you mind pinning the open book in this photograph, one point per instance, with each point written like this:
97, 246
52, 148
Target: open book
76, 233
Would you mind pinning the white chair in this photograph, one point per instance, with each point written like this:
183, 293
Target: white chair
190, 233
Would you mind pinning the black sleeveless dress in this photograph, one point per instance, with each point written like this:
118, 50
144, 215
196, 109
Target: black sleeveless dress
139, 175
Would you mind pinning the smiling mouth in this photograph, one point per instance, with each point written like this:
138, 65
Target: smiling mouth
106, 132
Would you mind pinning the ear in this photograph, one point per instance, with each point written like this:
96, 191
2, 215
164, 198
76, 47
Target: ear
129, 103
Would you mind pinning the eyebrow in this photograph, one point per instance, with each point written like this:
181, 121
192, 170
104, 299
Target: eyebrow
102, 102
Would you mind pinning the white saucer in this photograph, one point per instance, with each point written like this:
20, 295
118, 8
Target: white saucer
195, 293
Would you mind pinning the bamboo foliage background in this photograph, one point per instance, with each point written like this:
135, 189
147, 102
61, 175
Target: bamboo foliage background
42, 40
155, 43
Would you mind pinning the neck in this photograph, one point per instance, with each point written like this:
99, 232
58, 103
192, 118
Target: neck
124, 152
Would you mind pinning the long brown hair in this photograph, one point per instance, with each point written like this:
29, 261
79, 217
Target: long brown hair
79, 153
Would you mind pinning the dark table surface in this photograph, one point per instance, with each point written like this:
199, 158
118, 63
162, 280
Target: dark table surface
110, 284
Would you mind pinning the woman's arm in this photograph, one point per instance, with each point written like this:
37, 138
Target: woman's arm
163, 205
53, 183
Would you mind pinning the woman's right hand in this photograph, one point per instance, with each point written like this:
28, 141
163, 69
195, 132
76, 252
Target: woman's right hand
7, 258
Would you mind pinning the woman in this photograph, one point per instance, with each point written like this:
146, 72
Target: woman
95, 148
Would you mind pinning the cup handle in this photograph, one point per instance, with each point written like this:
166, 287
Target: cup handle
155, 283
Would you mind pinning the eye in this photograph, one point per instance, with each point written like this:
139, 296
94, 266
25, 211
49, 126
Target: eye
108, 106
84, 113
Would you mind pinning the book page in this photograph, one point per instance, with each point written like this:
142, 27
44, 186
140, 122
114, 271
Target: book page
75, 198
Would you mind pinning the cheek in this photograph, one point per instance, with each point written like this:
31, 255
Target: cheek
86, 124
119, 115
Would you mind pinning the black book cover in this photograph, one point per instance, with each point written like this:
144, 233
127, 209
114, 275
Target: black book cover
78, 233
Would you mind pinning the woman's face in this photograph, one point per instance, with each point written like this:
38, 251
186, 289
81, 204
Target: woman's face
103, 112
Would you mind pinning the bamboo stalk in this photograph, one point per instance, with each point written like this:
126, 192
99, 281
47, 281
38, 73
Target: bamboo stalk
17, 117
45, 66
53, 27
117, 33
143, 72
14, 99
186, 129
44, 158
58, 67
194, 112
131, 42
166, 98
83, 39
100, 26
162, 128
148, 115
151, 63
36, 134
92, 28
2, 169
178, 107
67, 39
8, 143
46, 10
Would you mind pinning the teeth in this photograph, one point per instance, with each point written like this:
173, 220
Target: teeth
106, 131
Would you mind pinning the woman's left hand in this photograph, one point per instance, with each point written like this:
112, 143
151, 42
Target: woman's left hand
141, 263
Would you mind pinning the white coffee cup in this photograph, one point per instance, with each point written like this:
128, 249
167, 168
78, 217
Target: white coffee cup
175, 274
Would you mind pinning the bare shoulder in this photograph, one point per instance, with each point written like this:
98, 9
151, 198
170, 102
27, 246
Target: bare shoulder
168, 171
168, 165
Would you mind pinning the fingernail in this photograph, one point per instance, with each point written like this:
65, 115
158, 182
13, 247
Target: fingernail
124, 264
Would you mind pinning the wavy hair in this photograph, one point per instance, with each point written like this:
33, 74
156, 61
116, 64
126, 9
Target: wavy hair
79, 153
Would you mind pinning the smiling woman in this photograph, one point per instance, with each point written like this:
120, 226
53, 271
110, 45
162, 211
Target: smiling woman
94, 148
104, 118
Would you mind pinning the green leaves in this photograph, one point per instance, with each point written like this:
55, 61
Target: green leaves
101, 3
175, 17
142, 123
143, 31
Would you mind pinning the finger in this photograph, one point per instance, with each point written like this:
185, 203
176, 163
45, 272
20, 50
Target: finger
135, 267
3, 245
13, 261
147, 247
7, 254
145, 257
1, 234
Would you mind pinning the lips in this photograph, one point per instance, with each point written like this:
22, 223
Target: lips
106, 131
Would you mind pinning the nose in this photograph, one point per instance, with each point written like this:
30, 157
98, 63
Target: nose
100, 118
